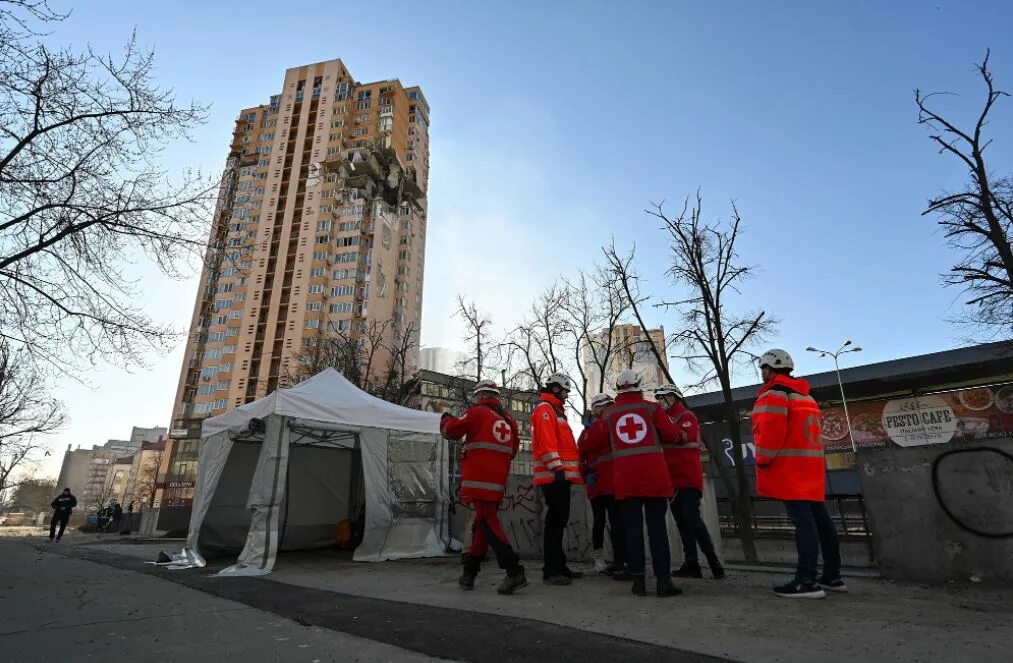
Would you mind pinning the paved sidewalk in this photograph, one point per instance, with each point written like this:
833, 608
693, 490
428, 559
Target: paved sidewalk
737, 619
56, 609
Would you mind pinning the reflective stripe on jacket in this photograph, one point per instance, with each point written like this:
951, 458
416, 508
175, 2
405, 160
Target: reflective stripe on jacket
490, 444
552, 445
787, 430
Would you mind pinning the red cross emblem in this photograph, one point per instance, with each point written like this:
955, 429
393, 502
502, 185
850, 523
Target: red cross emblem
501, 431
631, 428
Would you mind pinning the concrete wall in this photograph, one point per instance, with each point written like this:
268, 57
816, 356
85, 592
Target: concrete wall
913, 536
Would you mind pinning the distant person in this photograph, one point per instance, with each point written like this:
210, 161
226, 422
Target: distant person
63, 506
686, 470
600, 487
490, 443
635, 433
117, 517
790, 467
557, 467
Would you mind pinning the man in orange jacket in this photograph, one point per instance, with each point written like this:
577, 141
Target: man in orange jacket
557, 466
491, 442
787, 432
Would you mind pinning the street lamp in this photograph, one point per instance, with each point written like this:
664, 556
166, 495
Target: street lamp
844, 349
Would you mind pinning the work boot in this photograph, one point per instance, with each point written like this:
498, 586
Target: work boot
717, 570
688, 570
512, 582
557, 580
666, 588
470, 572
639, 586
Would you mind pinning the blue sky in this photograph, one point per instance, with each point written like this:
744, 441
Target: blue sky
554, 124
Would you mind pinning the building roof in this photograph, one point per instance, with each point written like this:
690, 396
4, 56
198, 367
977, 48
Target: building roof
989, 363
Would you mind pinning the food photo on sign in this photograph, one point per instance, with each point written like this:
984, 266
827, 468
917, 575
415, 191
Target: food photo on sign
967, 414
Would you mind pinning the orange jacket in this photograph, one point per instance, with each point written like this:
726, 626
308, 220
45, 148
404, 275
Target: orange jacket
787, 433
552, 445
490, 444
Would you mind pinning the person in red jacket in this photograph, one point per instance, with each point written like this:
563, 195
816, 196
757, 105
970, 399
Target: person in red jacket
787, 432
557, 467
597, 468
686, 470
490, 443
634, 432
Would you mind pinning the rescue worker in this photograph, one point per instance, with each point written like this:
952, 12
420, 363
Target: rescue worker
491, 442
557, 467
634, 432
686, 471
790, 467
63, 505
597, 470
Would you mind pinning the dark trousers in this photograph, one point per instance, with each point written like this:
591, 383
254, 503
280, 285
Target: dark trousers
557, 514
692, 530
62, 520
602, 506
654, 510
488, 533
814, 530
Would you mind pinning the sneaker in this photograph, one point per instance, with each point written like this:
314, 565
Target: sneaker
666, 588
467, 581
688, 570
572, 575
558, 580
799, 590
836, 585
639, 586
512, 582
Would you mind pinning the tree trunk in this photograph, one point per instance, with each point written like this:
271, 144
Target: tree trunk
743, 503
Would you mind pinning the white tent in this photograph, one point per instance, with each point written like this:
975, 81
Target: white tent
281, 472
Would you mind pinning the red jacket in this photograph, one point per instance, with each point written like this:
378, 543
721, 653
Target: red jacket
787, 430
634, 431
683, 457
552, 445
597, 462
490, 444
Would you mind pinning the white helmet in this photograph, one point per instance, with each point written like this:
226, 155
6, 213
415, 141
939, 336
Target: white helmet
668, 390
558, 379
601, 400
486, 385
777, 359
629, 380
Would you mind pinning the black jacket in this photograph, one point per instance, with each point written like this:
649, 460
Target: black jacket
63, 504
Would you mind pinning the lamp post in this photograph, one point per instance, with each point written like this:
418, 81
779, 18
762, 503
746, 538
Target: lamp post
844, 349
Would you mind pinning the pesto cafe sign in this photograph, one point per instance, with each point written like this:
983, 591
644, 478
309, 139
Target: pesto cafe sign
923, 420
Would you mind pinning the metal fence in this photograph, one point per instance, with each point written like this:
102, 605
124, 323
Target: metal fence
771, 520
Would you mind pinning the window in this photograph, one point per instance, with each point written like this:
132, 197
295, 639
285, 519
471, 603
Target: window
324, 226
215, 337
312, 324
235, 315
345, 226
362, 105
228, 349
346, 257
337, 124
326, 209
334, 136
221, 320
267, 136
348, 241
364, 117
313, 306
343, 307
220, 404
322, 239
316, 289
232, 331
318, 271
342, 290
223, 385
344, 274
202, 408
361, 131
321, 255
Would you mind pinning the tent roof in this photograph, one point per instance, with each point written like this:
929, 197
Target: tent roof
330, 398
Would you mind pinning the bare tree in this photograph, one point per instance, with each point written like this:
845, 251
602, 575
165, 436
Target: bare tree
397, 386
977, 221
27, 415
537, 343
34, 495
705, 264
81, 196
146, 483
338, 350
477, 334
622, 270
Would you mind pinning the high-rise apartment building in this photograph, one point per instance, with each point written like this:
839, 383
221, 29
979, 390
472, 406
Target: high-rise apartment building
319, 231
630, 348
